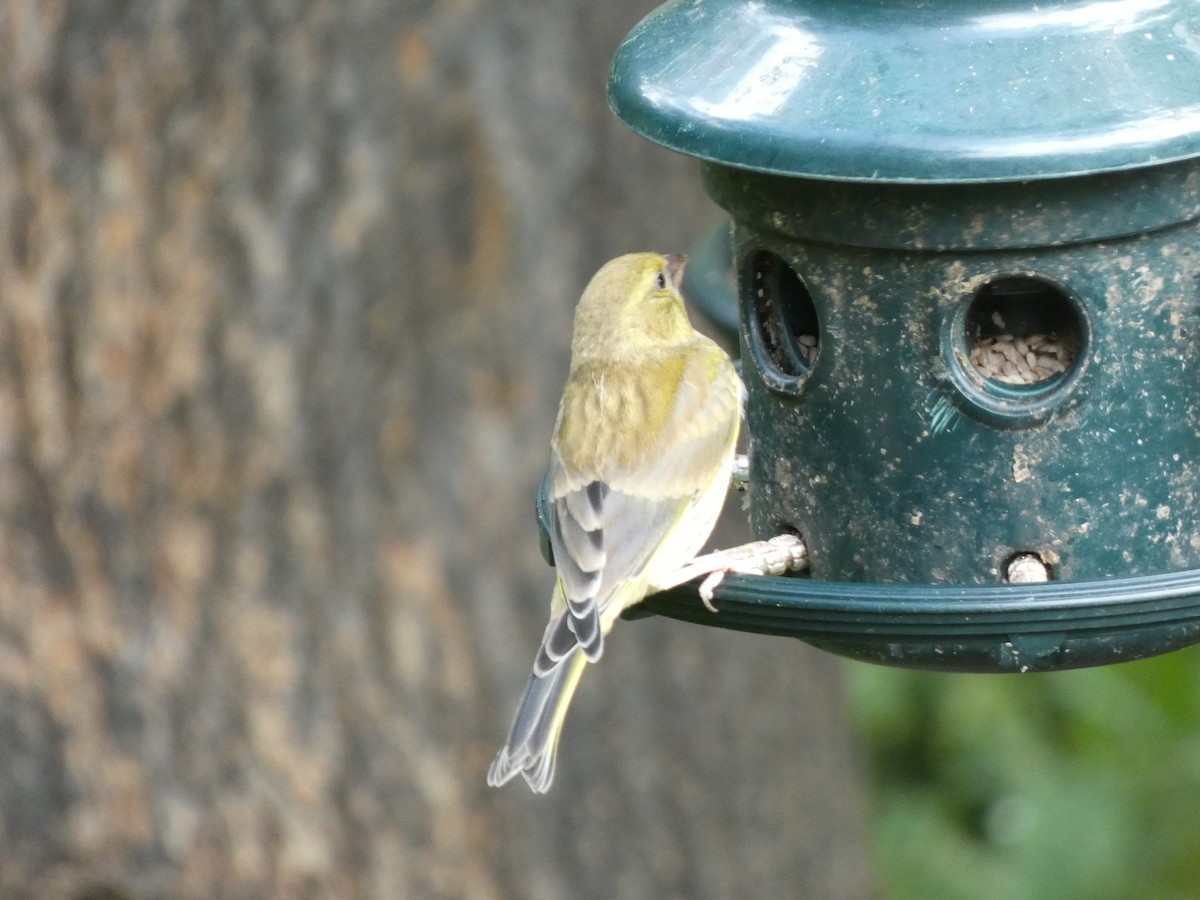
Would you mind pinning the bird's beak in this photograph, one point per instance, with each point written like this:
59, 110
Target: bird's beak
675, 264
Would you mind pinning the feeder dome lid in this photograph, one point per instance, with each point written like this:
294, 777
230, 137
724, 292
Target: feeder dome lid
917, 90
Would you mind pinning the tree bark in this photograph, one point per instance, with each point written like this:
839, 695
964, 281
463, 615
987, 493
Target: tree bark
285, 301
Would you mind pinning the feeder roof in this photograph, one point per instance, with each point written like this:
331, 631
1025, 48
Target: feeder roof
917, 90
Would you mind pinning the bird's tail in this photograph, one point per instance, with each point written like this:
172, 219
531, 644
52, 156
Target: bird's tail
533, 740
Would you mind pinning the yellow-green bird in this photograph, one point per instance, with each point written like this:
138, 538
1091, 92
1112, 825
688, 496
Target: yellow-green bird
639, 469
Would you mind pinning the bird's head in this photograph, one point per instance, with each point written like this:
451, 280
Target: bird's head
631, 306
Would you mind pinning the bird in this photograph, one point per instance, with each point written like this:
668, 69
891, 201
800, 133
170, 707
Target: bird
640, 462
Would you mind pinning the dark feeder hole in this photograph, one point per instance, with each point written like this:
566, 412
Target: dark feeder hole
783, 330
1022, 331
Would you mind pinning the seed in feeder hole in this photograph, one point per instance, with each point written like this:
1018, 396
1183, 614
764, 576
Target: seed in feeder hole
1026, 568
1021, 359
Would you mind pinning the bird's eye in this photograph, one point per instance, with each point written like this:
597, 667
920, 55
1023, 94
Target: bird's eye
660, 282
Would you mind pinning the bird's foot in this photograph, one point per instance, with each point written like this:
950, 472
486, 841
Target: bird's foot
782, 553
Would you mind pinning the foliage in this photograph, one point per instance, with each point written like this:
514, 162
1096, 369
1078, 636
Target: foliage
1082, 784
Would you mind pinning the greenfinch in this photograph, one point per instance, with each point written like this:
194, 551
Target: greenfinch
640, 463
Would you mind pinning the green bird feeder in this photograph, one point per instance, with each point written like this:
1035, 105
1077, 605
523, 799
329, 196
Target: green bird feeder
966, 242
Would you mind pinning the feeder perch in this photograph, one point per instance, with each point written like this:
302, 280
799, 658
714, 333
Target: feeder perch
967, 251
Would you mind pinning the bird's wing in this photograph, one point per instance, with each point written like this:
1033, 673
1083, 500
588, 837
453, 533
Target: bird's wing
612, 533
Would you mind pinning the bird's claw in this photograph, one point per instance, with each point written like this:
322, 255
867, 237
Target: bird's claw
708, 585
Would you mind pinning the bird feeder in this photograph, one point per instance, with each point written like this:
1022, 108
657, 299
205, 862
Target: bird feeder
967, 252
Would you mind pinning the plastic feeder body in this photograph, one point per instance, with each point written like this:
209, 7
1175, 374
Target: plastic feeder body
966, 236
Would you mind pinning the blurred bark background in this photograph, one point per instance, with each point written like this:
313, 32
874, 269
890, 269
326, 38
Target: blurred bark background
285, 299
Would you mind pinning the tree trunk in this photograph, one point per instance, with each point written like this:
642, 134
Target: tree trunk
285, 300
